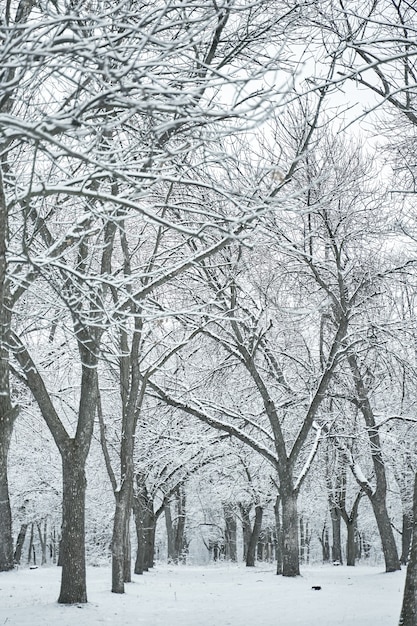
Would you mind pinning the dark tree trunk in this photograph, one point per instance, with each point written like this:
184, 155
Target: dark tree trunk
180, 545
170, 533
245, 510
351, 543
278, 546
336, 517
407, 533
409, 607
117, 544
145, 526
257, 525
377, 496
290, 543
127, 568
7, 411
325, 544
6, 538
73, 581
19, 543
42, 539
230, 532
389, 547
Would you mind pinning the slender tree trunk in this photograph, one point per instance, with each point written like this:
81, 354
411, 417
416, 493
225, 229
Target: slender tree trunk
246, 526
407, 533
6, 538
278, 547
19, 543
7, 411
73, 581
290, 543
230, 532
170, 533
378, 496
180, 543
335, 516
409, 607
389, 547
257, 525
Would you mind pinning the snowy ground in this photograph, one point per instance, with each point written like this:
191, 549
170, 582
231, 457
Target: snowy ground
219, 595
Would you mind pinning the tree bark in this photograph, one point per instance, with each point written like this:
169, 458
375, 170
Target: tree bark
290, 543
145, 522
230, 532
406, 536
73, 580
335, 516
378, 495
278, 546
257, 525
389, 547
6, 538
245, 510
409, 607
117, 544
19, 543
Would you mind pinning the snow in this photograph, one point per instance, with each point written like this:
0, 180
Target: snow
216, 595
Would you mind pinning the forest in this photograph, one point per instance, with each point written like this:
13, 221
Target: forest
208, 272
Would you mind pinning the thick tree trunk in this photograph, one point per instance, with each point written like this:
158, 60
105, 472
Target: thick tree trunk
73, 581
127, 568
117, 545
145, 526
257, 525
290, 543
409, 608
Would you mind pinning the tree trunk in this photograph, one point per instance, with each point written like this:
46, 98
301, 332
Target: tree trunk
278, 546
335, 516
7, 411
117, 543
73, 581
230, 532
246, 526
19, 543
351, 543
290, 544
409, 608
180, 544
407, 532
389, 547
257, 525
145, 526
127, 568
325, 544
170, 533
6, 538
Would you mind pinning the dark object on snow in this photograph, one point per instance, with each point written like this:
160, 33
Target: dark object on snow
316, 587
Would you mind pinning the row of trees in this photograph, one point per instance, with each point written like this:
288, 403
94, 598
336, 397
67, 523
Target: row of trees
186, 224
